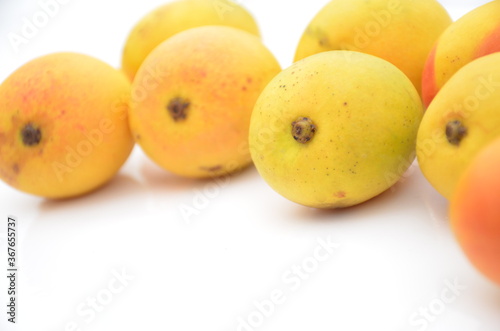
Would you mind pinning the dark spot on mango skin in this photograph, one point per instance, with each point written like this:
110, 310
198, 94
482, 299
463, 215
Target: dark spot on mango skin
212, 169
455, 132
324, 42
178, 109
31, 135
303, 130
15, 168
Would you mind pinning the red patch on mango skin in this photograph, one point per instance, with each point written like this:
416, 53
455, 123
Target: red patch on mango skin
340, 194
429, 85
28, 95
490, 44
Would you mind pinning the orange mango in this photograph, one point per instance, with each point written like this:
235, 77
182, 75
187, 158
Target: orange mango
63, 125
193, 97
475, 212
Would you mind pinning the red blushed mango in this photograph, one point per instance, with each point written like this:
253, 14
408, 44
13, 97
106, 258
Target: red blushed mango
475, 212
193, 97
474, 35
63, 125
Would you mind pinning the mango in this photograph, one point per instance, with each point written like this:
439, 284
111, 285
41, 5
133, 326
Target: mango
174, 17
474, 35
335, 129
474, 212
402, 32
193, 96
462, 119
63, 125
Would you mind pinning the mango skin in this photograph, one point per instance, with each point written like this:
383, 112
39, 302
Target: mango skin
366, 113
472, 97
220, 72
402, 32
474, 35
80, 106
174, 17
474, 212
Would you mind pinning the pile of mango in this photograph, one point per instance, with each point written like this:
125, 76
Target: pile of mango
374, 86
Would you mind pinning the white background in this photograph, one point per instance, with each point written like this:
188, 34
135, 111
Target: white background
395, 257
